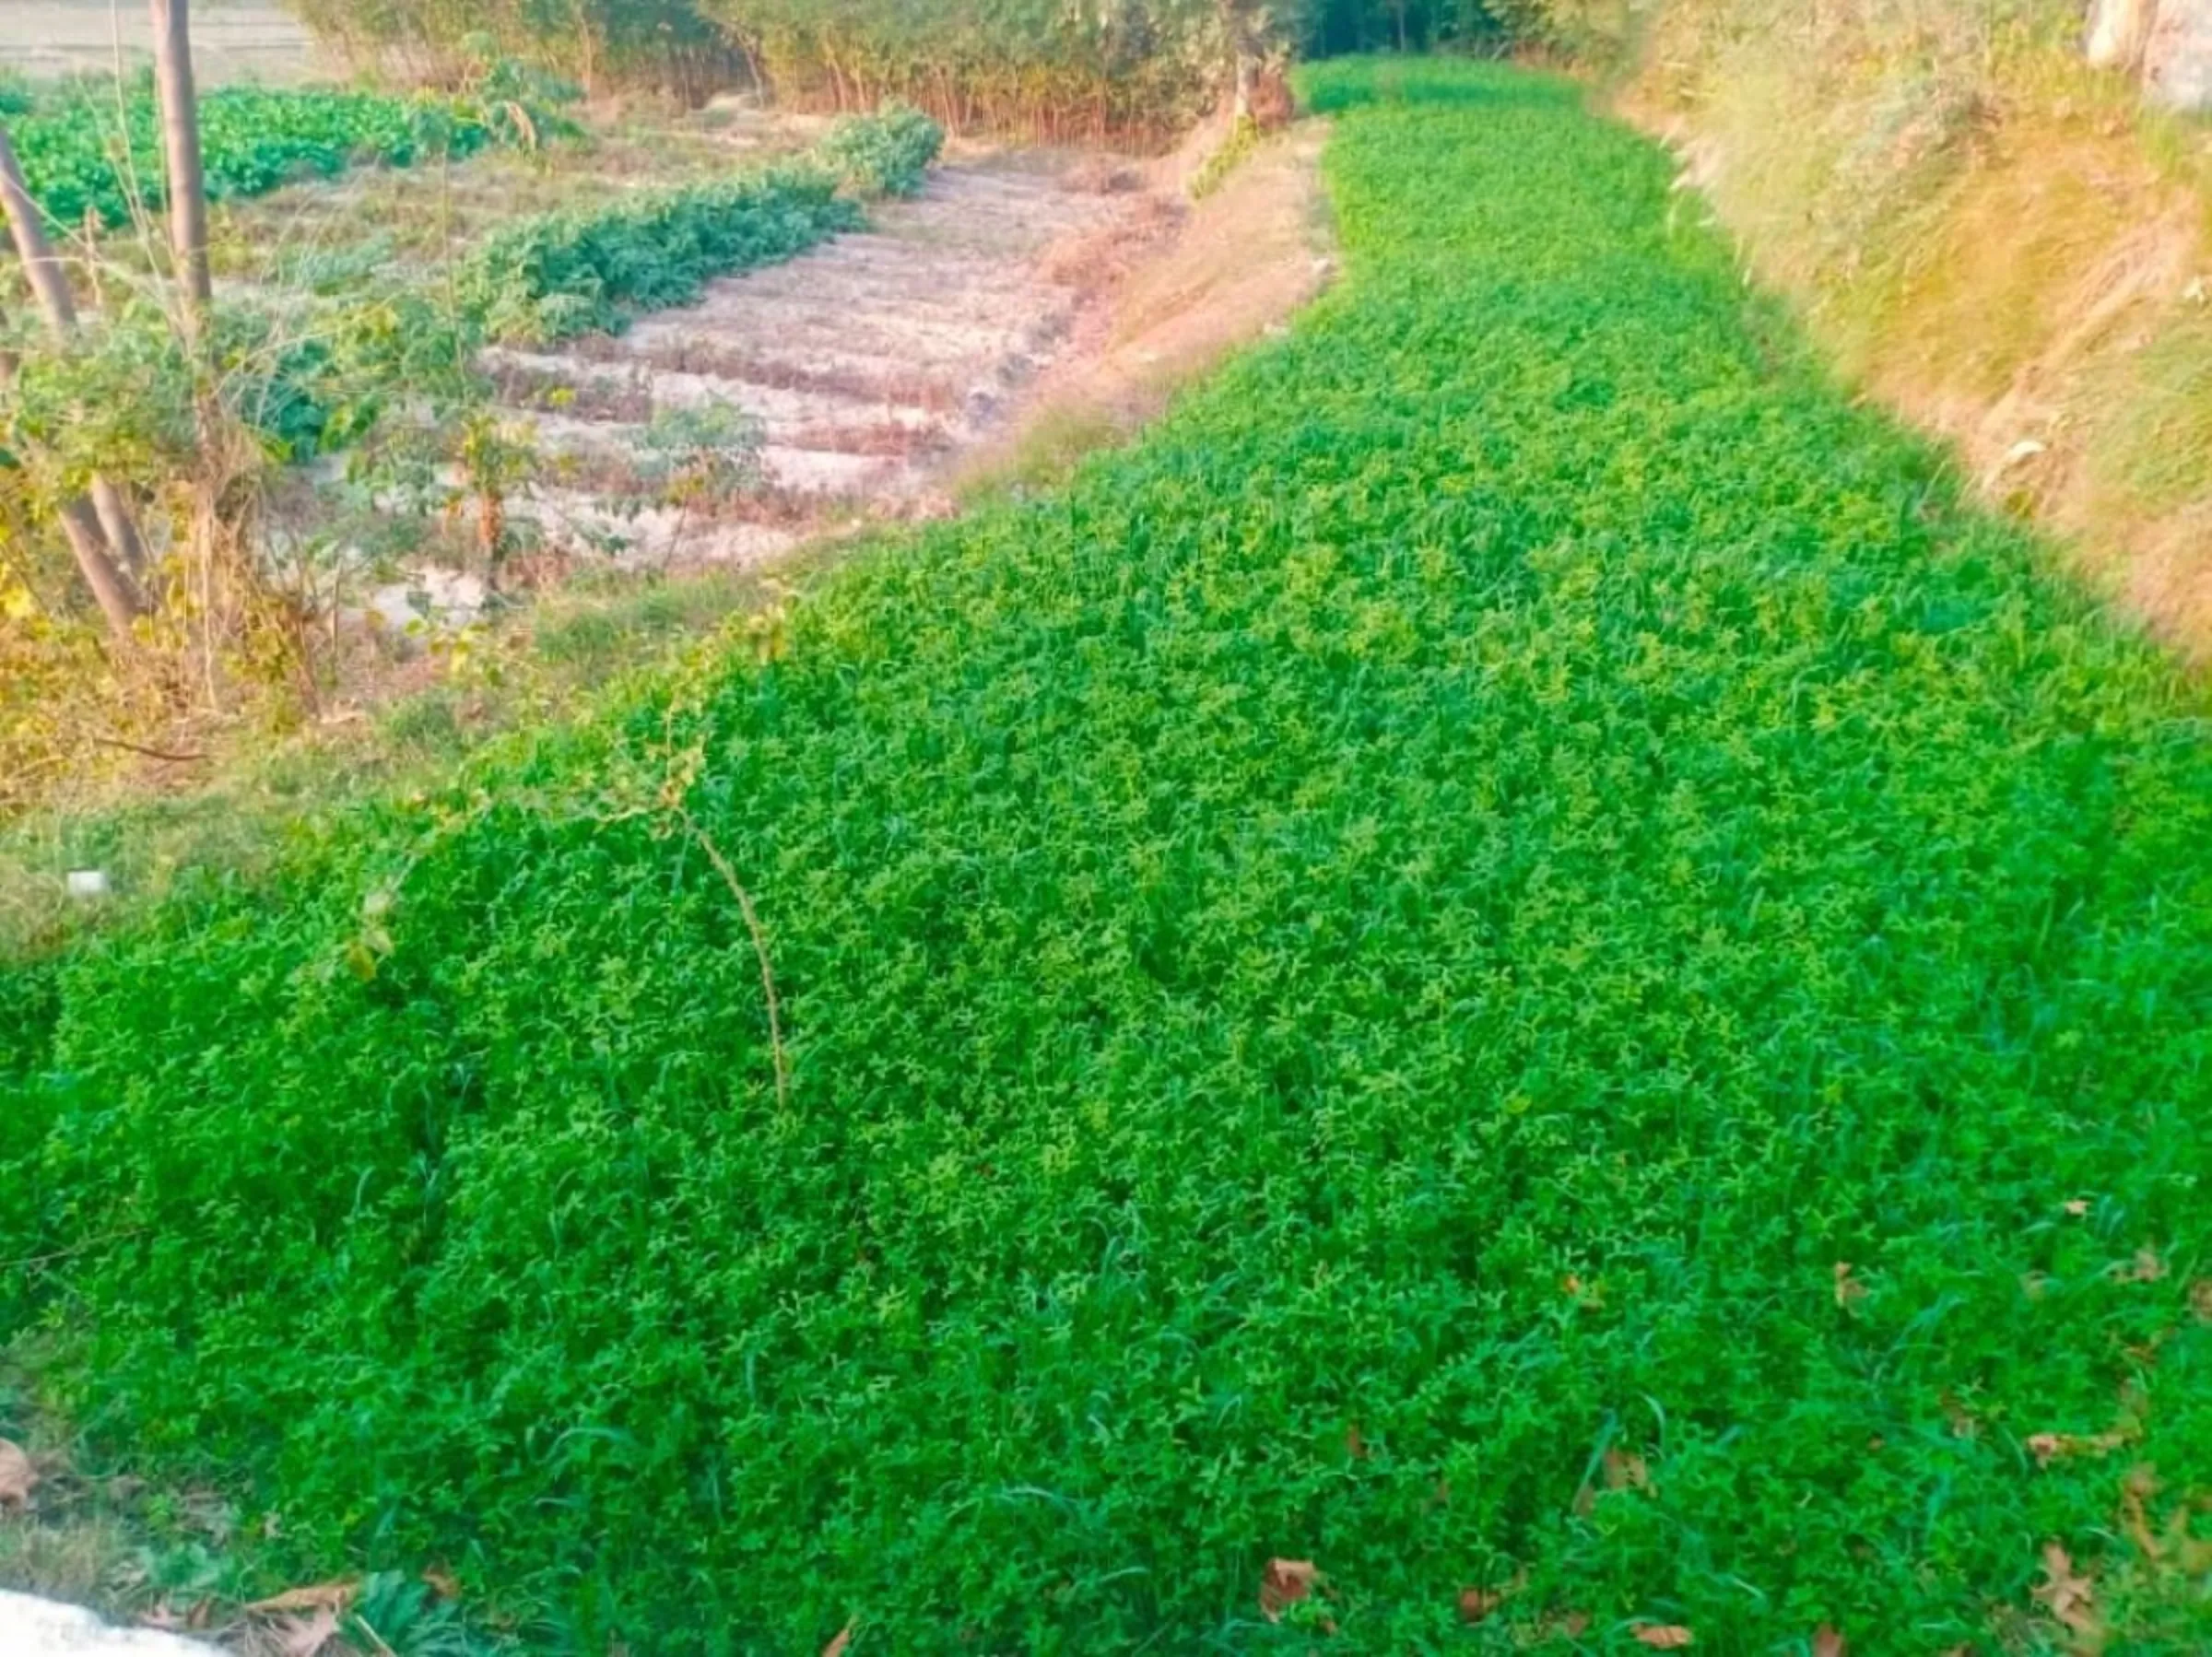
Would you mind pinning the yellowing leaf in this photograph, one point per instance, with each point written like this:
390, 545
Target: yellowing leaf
839, 1641
1661, 1637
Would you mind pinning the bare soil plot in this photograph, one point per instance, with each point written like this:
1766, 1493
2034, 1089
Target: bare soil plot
867, 364
231, 39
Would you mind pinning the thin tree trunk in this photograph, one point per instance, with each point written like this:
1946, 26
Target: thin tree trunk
121, 526
51, 287
108, 552
111, 590
180, 145
1236, 33
49, 284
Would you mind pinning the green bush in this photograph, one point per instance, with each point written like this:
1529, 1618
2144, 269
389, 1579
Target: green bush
1515, 953
564, 274
889, 153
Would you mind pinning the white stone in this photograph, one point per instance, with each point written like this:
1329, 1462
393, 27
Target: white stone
30, 1626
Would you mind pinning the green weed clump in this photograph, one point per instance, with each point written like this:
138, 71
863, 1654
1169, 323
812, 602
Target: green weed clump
889, 153
1514, 958
564, 274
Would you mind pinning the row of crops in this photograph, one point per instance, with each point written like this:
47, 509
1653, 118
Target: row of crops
1512, 987
330, 370
90, 155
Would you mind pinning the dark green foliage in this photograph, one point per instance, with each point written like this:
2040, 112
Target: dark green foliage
1448, 893
889, 153
81, 154
28, 1005
565, 274
1339, 26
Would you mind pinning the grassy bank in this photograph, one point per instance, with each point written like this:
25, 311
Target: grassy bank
1514, 958
1992, 238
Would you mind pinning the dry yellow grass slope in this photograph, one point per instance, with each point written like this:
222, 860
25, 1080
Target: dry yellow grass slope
1992, 238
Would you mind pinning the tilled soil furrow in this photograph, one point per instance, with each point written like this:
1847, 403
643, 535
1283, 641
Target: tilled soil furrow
867, 363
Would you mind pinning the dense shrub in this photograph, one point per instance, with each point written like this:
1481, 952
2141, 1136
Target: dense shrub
889, 153
563, 274
1512, 956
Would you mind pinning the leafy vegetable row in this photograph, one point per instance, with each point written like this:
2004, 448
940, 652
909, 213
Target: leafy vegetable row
86, 154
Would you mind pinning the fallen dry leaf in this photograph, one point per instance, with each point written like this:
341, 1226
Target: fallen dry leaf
1474, 1603
2077, 1207
1661, 1637
1849, 1289
306, 1636
2047, 1448
442, 1582
2146, 1267
1625, 1471
2070, 1598
1963, 1424
1354, 1445
1827, 1642
331, 1596
18, 1478
2200, 1300
839, 1641
1286, 1583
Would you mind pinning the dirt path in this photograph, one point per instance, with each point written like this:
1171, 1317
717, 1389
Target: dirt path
231, 39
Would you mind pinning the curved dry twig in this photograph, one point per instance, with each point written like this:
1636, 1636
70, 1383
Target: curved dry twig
760, 936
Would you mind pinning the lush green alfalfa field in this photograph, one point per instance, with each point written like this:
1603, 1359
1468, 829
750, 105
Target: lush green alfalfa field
1519, 880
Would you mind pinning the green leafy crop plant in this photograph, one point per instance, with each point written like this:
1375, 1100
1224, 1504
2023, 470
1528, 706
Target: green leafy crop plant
94, 151
563, 274
886, 153
1515, 955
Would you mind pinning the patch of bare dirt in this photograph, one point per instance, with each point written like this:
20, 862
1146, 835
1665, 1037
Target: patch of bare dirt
1171, 300
866, 368
231, 39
